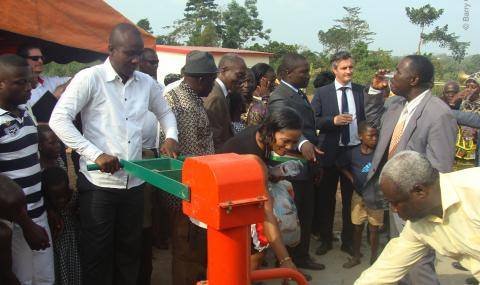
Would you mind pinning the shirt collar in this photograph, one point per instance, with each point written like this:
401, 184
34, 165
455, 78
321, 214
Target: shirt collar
111, 74
412, 105
40, 80
338, 85
449, 197
222, 86
291, 86
22, 109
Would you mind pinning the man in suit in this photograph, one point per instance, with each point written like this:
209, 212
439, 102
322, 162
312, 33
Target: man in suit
232, 72
413, 120
338, 110
295, 75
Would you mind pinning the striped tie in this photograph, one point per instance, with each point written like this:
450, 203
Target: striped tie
397, 133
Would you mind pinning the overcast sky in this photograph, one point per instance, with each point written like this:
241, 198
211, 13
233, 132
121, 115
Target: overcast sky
298, 21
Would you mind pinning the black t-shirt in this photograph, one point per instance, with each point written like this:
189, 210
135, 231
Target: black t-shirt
358, 164
244, 143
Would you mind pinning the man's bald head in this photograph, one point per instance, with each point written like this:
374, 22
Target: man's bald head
451, 86
120, 31
232, 69
125, 48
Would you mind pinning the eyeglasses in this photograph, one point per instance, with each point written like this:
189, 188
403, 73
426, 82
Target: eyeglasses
36, 57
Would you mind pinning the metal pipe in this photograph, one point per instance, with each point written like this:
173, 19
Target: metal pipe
278, 273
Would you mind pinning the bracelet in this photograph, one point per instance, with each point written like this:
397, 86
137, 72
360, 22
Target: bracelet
285, 260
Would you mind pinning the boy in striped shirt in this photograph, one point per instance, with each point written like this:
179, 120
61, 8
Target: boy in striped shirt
19, 161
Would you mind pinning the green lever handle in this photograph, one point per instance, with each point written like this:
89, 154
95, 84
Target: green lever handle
92, 167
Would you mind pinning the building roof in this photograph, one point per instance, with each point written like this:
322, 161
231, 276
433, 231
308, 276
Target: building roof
212, 50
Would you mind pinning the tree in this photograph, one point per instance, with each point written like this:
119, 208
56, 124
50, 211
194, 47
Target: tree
349, 31
335, 39
200, 24
145, 25
241, 24
424, 17
277, 48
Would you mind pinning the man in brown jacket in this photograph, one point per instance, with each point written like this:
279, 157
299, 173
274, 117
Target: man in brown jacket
232, 71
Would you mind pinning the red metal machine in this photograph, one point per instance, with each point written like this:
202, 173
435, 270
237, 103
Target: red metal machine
227, 192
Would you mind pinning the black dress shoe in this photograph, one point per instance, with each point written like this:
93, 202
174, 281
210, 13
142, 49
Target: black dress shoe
308, 263
347, 248
323, 248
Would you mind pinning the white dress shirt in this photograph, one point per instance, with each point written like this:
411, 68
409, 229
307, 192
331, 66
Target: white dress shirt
412, 106
45, 84
303, 140
172, 86
112, 114
222, 86
352, 110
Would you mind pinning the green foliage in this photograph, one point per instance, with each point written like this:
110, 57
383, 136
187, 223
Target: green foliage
425, 16
204, 24
348, 32
69, 69
200, 24
145, 25
334, 39
277, 48
241, 24
368, 62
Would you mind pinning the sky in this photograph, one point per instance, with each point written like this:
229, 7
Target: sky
298, 21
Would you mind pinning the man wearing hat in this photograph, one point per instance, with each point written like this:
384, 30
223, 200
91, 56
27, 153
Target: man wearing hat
195, 137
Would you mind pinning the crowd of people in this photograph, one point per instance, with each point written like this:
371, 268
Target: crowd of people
392, 142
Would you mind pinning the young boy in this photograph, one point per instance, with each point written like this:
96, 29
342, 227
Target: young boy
355, 166
19, 162
62, 206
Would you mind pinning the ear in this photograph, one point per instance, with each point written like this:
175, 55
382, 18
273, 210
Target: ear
110, 49
414, 80
419, 191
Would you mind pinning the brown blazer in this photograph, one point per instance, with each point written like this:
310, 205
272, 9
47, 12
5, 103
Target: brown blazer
218, 111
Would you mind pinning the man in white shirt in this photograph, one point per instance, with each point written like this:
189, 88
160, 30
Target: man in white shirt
112, 98
45, 85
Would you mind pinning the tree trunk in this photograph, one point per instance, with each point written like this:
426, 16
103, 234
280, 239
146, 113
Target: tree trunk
420, 42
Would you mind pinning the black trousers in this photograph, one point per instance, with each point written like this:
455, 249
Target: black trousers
110, 233
304, 201
325, 199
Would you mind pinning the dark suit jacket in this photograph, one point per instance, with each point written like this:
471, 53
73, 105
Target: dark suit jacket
325, 106
218, 112
284, 96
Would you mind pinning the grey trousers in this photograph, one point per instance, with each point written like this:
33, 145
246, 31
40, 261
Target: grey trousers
423, 272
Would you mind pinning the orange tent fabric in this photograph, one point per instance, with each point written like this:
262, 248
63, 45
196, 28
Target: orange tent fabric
80, 24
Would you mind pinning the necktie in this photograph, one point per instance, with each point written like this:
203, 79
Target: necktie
397, 133
345, 139
300, 92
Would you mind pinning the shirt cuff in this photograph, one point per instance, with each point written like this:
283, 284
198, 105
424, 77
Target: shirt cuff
91, 153
300, 145
373, 91
172, 133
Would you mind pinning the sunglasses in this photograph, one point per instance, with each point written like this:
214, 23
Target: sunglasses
36, 57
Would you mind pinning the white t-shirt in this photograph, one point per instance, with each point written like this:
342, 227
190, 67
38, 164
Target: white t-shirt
48, 84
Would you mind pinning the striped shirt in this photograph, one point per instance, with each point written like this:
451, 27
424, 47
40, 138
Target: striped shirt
19, 159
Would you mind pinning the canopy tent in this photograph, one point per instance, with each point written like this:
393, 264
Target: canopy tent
67, 30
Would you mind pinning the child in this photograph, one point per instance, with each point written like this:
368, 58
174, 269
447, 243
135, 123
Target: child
355, 166
49, 147
61, 204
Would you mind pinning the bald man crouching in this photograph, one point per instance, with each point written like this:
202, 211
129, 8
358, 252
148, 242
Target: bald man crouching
441, 211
